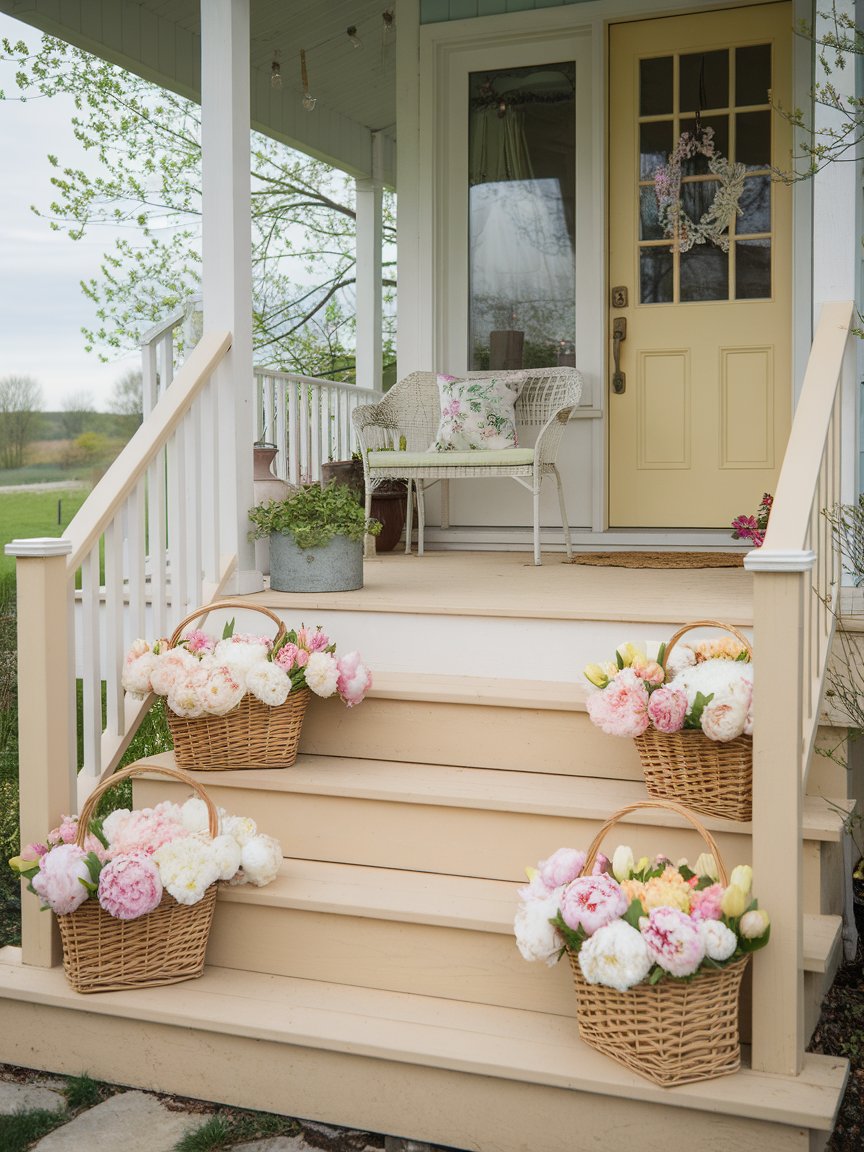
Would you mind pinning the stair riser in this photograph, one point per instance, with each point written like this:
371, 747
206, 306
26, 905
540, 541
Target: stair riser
495, 845
472, 736
409, 1100
425, 959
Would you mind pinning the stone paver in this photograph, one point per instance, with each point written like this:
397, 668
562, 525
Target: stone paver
131, 1121
27, 1098
275, 1144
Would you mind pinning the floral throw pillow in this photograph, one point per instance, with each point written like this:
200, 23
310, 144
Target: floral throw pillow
477, 413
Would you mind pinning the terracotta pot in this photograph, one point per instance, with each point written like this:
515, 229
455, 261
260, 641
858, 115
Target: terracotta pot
348, 472
266, 486
389, 506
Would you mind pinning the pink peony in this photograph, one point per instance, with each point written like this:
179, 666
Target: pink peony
674, 941
725, 717
705, 902
199, 642
286, 657
648, 670
592, 901
561, 867
621, 709
142, 830
58, 883
355, 679
667, 709
129, 886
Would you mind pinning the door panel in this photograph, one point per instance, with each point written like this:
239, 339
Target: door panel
698, 432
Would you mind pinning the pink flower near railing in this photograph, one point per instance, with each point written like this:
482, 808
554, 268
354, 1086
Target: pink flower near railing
752, 528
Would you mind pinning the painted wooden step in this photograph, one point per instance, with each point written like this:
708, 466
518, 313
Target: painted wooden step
449, 936
474, 822
518, 725
469, 1076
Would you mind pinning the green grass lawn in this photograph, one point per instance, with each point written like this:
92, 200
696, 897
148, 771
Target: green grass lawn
24, 514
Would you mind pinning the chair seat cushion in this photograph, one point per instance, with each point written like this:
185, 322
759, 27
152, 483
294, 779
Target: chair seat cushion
475, 458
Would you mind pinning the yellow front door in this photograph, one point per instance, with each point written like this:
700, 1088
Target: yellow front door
699, 411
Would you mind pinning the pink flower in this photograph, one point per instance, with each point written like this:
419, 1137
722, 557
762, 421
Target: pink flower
355, 679
129, 886
674, 941
312, 641
705, 902
561, 867
725, 717
667, 708
592, 901
198, 642
649, 671
142, 830
286, 657
58, 883
65, 833
302, 658
34, 851
621, 709
601, 864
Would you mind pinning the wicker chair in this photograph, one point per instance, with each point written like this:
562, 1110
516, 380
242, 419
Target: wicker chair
409, 415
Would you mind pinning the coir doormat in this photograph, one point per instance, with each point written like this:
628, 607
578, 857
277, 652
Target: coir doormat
659, 559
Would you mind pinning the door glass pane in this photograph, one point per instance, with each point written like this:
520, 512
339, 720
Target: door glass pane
649, 224
755, 205
698, 165
704, 273
697, 198
752, 74
655, 144
713, 69
655, 275
753, 139
521, 213
655, 86
753, 269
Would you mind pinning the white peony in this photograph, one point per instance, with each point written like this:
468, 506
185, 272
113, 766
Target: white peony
241, 653
720, 942
616, 956
137, 669
725, 717
186, 869
183, 698
261, 859
322, 673
715, 677
536, 938
168, 667
268, 683
242, 828
220, 689
194, 815
681, 657
225, 852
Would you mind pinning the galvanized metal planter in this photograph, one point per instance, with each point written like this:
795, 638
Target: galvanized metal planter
336, 566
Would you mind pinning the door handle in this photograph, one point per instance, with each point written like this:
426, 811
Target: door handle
619, 335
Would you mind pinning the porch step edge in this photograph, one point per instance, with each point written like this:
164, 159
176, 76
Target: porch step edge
508, 1044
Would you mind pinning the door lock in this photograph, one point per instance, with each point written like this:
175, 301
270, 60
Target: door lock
620, 297
619, 335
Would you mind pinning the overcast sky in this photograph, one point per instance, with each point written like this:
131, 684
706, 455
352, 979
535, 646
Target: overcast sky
42, 307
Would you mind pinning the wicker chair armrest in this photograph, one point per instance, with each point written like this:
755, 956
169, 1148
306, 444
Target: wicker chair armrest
549, 437
373, 429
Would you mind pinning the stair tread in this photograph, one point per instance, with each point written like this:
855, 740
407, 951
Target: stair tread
582, 797
550, 695
465, 902
511, 1044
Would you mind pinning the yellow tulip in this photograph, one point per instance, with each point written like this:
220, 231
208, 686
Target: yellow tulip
742, 877
17, 863
622, 863
630, 652
706, 865
734, 901
596, 675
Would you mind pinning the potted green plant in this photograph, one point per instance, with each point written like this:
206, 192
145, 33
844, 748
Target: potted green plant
316, 539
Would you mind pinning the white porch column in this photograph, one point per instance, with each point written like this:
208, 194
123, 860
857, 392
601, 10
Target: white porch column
369, 196
227, 263
837, 242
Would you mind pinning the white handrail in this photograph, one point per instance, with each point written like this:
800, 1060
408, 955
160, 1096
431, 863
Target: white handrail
308, 419
796, 581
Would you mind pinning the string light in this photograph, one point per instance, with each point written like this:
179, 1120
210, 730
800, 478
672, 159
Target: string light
351, 31
309, 101
276, 72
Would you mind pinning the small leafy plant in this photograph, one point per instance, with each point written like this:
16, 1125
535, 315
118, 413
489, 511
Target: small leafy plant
313, 516
753, 528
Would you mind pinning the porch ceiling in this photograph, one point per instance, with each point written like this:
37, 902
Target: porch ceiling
160, 40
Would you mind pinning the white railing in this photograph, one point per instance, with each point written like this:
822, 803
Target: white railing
159, 354
796, 585
146, 547
309, 420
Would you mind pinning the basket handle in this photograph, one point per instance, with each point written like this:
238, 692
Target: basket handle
705, 624
141, 770
666, 806
216, 606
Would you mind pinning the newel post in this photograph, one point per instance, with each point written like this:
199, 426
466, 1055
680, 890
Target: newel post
46, 685
781, 581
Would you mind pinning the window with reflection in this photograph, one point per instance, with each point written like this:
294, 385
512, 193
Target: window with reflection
521, 217
729, 90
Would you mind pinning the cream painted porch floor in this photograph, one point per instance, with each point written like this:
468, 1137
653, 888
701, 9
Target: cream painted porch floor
509, 584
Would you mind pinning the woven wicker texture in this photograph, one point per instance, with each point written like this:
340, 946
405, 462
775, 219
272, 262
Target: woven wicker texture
103, 954
674, 1032
709, 776
252, 735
